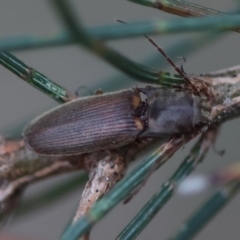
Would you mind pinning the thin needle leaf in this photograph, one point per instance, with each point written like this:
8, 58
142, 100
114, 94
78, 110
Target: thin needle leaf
34, 78
124, 188
157, 202
207, 211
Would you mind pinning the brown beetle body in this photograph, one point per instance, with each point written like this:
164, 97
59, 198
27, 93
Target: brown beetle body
112, 120
85, 125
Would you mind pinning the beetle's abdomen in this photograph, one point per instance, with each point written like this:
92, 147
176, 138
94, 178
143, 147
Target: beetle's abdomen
86, 125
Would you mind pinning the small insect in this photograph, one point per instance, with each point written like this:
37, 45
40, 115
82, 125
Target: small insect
116, 119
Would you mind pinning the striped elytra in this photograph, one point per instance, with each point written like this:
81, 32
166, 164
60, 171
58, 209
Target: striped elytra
88, 124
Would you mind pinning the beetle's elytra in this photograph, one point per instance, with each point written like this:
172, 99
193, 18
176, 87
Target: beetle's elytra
112, 120
85, 125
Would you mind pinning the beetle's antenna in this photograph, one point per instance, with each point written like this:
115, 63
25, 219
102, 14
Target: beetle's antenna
177, 69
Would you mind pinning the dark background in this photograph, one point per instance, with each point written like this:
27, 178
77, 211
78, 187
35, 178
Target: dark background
72, 67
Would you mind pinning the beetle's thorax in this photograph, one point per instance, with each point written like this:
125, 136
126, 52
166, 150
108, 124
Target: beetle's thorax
174, 111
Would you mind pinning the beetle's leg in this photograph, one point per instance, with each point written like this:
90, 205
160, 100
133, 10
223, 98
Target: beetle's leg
87, 91
99, 91
82, 91
184, 61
